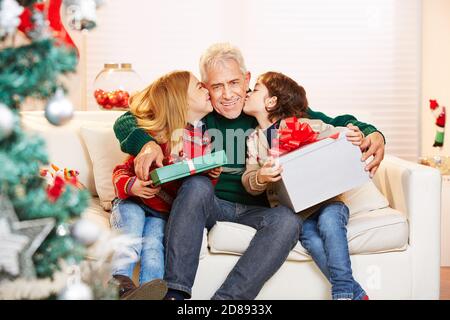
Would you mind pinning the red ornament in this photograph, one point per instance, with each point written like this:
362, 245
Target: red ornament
440, 121
98, 92
25, 18
112, 99
102, 99
55, 191
120, 98
126, 99
124, 103
53, 16
433, 104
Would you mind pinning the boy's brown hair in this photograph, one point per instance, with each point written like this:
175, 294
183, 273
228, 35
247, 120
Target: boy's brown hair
291, 97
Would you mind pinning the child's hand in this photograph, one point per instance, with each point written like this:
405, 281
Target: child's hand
215, 173
142, 189
269, 172
355, 136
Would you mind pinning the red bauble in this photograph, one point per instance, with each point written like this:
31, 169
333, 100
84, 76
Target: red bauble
123, 99
126, 98
112, 99
98, 92
104, 100
120, 96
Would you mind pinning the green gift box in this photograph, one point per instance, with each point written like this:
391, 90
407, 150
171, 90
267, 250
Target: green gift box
187, 168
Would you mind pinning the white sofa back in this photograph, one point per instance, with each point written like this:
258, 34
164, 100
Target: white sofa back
65, 145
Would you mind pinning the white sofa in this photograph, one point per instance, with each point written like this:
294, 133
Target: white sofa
395, 250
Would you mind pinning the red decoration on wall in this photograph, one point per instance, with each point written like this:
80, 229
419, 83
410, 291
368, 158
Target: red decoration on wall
440, 121
433, 104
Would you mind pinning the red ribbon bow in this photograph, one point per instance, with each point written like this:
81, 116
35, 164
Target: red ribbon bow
296, 135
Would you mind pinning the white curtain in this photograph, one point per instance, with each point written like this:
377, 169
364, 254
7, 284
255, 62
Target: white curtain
361, 57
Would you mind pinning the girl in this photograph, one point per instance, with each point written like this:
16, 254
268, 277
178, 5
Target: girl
170, 109
324, 234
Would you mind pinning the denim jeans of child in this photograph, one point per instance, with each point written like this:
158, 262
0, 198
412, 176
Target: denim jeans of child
324, 235
139, 221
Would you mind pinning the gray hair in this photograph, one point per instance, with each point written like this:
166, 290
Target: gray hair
220, 52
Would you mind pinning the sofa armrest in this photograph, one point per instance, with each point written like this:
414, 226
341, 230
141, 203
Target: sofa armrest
415, 190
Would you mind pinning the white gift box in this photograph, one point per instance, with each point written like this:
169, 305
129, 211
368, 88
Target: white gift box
320, 171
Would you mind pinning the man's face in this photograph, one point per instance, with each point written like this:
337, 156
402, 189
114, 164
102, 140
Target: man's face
227, 86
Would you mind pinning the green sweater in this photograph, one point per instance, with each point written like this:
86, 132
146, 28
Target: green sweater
229, 187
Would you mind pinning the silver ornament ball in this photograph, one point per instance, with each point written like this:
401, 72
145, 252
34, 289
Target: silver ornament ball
10, 12
6, 121
59, 109
85, 231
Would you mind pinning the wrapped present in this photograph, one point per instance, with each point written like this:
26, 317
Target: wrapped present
319, 170
295, 136
187, 168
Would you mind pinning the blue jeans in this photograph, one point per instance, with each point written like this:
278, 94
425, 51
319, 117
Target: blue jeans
139, 221
324, 235
195, 208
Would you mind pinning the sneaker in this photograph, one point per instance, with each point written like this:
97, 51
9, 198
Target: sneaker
152, 290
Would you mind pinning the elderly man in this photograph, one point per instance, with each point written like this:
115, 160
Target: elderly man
198, 205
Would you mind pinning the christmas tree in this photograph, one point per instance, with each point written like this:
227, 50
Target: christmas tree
36, 218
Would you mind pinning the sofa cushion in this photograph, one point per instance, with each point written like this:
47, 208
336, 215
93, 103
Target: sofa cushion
104, 151
97, 214
378, 231
100, 217
382, 230
364, 198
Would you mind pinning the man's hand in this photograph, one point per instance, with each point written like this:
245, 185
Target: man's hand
215, 173
373, 145
355, 136
151, 152
269, 172
142, 189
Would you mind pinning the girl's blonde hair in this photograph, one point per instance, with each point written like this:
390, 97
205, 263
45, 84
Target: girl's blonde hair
161, 108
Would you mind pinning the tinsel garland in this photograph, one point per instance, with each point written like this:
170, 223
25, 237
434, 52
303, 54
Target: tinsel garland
33, 70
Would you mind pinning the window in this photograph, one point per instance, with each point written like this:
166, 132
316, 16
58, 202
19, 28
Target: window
361, 57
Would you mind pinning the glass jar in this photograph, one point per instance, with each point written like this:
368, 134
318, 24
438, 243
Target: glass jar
114, 85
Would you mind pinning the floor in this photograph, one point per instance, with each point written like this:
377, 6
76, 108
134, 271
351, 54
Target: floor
445, 283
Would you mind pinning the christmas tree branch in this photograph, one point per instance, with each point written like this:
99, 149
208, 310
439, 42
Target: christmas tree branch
33, 70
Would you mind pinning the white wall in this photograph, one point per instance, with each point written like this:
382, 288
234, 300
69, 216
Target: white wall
436, 70
361, 57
